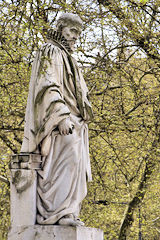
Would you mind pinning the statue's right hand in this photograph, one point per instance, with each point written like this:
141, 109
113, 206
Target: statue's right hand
66, 126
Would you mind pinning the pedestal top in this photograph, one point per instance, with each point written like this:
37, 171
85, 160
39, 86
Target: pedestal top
55, 232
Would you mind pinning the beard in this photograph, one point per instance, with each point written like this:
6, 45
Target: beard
71, 44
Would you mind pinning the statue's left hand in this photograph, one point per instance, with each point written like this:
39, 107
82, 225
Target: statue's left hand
66, 126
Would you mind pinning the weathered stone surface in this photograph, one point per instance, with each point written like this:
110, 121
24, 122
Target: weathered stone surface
26, 161
48, 177
23, 197
57, 113
39, 232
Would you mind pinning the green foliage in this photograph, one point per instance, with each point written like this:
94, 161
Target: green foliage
119, 55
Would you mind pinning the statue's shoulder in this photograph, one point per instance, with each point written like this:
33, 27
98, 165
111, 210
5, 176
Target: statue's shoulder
50, 49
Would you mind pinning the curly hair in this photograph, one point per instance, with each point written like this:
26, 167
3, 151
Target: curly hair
67, 18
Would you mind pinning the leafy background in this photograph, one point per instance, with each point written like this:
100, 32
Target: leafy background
118, 52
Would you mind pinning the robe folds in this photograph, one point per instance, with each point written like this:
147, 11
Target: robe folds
58, 91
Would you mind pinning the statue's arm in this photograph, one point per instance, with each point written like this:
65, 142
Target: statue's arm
51, 111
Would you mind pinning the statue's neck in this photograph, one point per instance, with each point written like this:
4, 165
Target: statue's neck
56, 38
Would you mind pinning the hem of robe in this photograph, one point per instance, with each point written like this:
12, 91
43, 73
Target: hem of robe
54, 218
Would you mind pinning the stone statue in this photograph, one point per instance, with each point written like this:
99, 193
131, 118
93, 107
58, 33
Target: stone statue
56, 126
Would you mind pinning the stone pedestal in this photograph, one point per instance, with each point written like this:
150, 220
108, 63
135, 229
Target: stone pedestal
39, 232
24, 188
23, 206
23, 197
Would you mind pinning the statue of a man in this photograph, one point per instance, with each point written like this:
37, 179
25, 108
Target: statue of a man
56, 126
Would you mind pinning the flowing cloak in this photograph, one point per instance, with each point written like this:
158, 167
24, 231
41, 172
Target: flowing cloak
58, 91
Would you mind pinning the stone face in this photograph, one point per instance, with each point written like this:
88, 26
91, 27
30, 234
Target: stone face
23, 197
38, 232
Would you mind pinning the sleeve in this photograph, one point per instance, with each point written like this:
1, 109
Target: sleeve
49, 104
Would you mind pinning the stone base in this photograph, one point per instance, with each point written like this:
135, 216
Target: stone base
23, 197
53, 232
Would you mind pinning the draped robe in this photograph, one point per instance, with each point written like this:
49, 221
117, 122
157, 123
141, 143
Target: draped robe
58, 91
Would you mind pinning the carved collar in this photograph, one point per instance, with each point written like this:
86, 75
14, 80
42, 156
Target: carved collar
57, 38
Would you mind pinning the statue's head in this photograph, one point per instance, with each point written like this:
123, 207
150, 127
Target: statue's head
70, 26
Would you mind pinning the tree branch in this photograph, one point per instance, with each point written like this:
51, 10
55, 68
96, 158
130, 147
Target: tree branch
5, 180
134, 34
8, 143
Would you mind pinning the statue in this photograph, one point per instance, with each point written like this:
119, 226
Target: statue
56, 126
